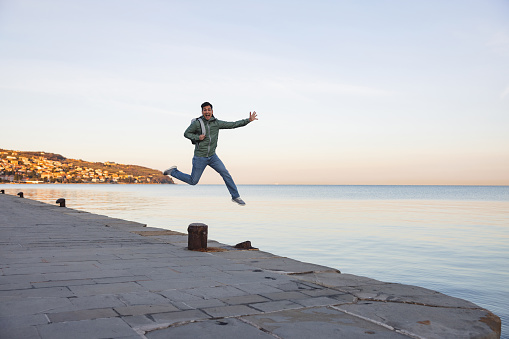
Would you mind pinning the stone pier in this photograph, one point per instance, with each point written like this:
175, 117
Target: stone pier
66, 273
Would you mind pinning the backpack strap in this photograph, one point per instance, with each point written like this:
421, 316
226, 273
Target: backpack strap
202, 125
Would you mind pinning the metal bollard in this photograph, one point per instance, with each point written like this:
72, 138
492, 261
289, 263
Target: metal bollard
197, 236
20, 194
61, 201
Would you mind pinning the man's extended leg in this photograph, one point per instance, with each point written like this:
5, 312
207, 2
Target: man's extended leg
219, 167
199, 165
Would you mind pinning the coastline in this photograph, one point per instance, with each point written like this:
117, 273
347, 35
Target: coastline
160, 282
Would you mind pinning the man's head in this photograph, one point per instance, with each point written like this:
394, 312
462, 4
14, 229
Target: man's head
206, 110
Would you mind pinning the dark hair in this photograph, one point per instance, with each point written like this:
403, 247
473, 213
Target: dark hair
206, 103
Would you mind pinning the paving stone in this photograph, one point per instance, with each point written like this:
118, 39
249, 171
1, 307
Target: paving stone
175, 317
143, 298
344, 299
407, 294
256, 287
323, 292
38, 292
49, 268
229, 267
215, 292
81, 315
138, 321
198, 271
224, 329
81, 275
22, 321
240, 255
84, 290
427, 322
288, 265
87, 329
180, 295
15, 286
284, 295
133, 278
230, 311
252, 275
321, 322
145, 309
63, 283
296, 285
183, 306
181, 283
32, 306
96, 301
335, 279
245, 299
272, 306
318, 301
204, 303
28, 332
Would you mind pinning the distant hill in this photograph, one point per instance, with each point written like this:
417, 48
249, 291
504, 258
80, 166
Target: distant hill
23, 166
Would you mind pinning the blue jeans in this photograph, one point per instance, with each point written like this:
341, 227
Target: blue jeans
199, 164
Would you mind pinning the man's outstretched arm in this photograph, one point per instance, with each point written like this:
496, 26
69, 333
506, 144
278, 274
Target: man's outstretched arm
240, 123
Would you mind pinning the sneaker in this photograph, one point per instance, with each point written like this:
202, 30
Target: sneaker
239, 201
169, 170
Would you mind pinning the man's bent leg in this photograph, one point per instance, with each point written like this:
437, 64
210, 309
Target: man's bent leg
199, 165
219, 167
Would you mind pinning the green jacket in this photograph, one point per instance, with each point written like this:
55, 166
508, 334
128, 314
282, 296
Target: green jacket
207, 147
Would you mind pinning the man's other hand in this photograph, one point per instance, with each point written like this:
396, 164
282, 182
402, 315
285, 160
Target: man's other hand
252, 116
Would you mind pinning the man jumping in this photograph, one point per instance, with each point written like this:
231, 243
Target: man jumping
204, 135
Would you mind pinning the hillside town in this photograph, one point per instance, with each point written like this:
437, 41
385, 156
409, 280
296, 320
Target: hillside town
41, 167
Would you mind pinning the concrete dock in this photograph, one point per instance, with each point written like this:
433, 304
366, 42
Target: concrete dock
66, 273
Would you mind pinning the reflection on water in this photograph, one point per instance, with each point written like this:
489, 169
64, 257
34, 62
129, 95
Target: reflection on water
450, 239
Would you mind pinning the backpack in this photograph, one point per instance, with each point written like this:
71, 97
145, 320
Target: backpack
202, 129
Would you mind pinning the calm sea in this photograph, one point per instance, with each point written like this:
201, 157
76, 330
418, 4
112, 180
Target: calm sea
453, 239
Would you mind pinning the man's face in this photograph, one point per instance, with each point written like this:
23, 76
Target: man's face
207, 112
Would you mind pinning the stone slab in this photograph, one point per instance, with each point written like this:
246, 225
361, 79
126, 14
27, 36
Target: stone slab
167, 319
245, 299
28, 332
215, 292
204, 303
284, 295
22, 321
144, 309
336, 280
224, 329
406, 294
321, 322
143, 298
257, 287
87, 329
85, 290
32, 306
230, 311
428, 322
96, 301
81, 315
273, 306
289, 266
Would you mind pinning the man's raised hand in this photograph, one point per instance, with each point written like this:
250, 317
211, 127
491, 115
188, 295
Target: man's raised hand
252, 116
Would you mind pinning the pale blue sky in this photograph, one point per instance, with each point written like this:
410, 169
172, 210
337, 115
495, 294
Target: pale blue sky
347, 92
